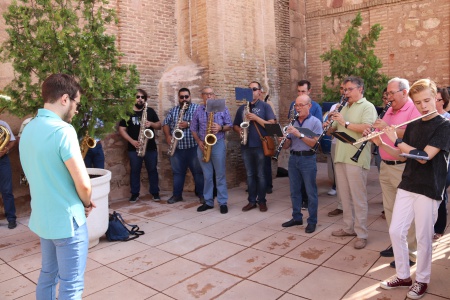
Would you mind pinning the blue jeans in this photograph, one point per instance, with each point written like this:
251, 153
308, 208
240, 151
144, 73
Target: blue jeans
151, 159
254, 161
95, 158
6, 188
303, 169
268, 171
180, 162
63, 260
217, 163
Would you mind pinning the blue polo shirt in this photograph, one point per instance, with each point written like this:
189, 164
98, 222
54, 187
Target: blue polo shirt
45, 144
313, 124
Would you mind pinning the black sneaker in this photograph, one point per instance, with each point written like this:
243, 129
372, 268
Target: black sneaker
174, 199
12, 224
156, 197
223, 209
204, 207
134, 198
269, 190
389, 252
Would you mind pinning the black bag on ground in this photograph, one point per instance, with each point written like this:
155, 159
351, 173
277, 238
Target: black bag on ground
118, 231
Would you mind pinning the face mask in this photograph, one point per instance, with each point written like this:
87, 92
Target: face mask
139, 106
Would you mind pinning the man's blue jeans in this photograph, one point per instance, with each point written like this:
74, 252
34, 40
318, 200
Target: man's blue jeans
181, 160
6, 188
254, 161
95, 158
151, 159
217, 163
63, 260
303, 169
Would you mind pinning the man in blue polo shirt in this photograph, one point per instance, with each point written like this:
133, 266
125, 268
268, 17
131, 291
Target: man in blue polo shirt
302, 164
60, 189
260, 114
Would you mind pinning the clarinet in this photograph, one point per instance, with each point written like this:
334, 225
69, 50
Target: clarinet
358, 152
280, 146
342, 102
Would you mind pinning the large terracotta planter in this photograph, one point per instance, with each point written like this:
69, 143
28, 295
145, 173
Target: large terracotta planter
98, 219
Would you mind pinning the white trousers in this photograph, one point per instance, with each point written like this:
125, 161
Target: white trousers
423, 210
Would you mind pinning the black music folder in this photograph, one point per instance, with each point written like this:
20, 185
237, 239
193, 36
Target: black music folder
274, 129
343, 137
244, 94
215, 105
307, 132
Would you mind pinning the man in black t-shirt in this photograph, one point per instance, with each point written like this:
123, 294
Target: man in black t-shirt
129, 130
422, 187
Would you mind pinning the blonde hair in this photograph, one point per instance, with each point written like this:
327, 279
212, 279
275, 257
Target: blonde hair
421, 85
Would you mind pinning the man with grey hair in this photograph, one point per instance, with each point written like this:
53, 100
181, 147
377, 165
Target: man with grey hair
357, 116
402, 109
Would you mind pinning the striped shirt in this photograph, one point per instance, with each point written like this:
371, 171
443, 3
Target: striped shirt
200, 121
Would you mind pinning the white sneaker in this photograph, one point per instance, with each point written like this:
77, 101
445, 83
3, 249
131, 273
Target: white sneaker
332, 192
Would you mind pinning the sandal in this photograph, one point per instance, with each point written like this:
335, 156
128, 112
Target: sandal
437, 236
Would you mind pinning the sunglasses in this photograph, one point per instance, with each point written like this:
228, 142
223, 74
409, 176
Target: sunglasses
255, 89
139, 96
184, 97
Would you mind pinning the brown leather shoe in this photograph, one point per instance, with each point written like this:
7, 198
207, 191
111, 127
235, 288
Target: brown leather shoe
262, 207
249, 206
335, 212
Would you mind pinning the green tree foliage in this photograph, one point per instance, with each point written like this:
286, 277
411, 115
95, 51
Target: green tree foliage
355, 57
67, 36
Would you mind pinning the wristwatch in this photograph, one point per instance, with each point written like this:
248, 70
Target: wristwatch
189, 124
346, 124
301, 136
398, 141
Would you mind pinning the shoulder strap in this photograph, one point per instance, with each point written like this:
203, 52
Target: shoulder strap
134, 228
259, 133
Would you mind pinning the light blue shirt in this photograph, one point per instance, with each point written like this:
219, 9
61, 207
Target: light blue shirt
45, 144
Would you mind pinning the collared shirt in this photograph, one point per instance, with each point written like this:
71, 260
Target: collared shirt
361, 112
47, 142
12, 137
172, 118
313, 124
315, 110
407, 112
199, 121
262, 110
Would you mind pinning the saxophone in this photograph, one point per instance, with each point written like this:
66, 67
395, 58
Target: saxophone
4, 137
177, 133
144, 134
245, 124
210, 139
86, 143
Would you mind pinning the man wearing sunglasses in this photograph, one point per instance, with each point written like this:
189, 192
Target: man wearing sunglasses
260, 114
60, 189
129, 130
185, 155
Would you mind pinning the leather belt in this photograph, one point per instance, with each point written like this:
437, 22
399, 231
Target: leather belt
393, 162
303, 153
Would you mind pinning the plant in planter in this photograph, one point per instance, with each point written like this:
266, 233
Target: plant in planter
67, 36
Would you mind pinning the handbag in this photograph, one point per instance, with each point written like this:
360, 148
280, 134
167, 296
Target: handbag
267, 142
118, 231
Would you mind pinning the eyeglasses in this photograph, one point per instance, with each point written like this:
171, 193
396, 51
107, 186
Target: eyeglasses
350, 89
300, 105
184, 97
208, 94
255, 89
391, 93
139, 96
78, 104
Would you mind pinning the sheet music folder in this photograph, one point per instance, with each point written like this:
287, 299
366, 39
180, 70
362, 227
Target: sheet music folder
274, 129
243, 94
215, 105
343, 137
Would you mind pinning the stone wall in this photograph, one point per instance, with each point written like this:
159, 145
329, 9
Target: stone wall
413, 44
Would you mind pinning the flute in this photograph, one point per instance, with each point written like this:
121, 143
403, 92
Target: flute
343, 101
375, 134
358, 153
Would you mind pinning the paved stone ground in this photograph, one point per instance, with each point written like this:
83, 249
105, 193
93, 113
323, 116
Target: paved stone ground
189, 255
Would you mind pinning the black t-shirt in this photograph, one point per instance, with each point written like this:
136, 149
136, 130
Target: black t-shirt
133, 126
427, 179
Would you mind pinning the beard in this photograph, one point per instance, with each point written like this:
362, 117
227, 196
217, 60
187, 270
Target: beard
139, 105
